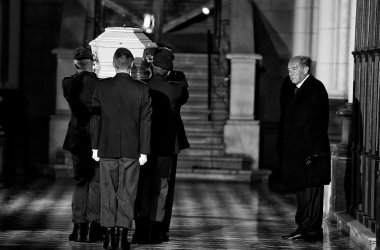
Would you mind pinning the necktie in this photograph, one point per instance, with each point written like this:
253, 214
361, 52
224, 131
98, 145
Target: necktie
295, 90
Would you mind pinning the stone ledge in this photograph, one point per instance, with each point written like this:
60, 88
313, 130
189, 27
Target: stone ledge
357, 231
223, 175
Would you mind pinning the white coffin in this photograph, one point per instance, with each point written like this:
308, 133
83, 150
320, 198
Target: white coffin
134, 39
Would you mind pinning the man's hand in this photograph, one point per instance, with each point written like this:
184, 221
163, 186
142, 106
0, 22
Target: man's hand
143, 159
312, 158
95, 155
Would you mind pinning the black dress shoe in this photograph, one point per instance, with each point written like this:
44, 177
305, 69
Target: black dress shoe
164, 236
293, 236
156, 233
313, 238
136, 234
79, 233
83, 231
110, 239
74, 235
122, 238
143, 232
94, 233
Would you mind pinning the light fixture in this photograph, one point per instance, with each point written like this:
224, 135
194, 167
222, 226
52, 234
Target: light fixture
148, 24
206, 10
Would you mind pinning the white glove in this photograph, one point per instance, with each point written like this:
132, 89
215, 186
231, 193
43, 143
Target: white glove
143, 159
95, 155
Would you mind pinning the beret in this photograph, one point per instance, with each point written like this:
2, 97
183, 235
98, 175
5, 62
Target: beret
163, 60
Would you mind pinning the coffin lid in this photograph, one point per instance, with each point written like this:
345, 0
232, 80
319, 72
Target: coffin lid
131, 38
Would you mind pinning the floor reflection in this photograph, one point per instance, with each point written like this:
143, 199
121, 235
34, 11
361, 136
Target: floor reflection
205, 216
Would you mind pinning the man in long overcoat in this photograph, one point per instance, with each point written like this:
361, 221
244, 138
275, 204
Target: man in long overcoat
306, 155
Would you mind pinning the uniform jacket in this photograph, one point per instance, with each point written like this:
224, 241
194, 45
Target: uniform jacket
306, 119
121, 121
78, 90
167, 99
178, 78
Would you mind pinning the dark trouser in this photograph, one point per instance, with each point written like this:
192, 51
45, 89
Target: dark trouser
309, 210
118, 186
86, 197
170, 196
154, 188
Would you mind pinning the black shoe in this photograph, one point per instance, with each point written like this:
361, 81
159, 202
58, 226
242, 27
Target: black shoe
79, 233
110, 239
136, 234
143, 232
156, 233
94, 233
83, 231
293, 236
313, 238
165, 236
122, 238
74, 235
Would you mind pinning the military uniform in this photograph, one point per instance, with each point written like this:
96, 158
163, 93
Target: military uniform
78, 90
168, 137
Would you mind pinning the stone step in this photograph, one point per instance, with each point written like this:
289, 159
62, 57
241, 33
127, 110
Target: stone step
203, 92
200, 104
211, 162
202, 96
204, 138
197, 126
190, 113
200, 149
213, 175
201, 76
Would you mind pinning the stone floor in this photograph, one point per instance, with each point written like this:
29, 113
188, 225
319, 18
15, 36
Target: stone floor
206, 216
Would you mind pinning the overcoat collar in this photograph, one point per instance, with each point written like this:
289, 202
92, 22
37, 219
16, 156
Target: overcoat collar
304, 86
122, 74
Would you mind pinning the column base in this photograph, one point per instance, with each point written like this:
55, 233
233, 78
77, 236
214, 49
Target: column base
57, 132
357, 231
242, 137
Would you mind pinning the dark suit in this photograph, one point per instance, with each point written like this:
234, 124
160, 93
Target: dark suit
78, 90
121, 125
286, 95
167, 99
176, 78
305, 128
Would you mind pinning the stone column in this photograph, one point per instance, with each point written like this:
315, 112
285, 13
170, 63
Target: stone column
341, 159
303, 27
14, 44
334, 46
242, 131
351, 46
334, 67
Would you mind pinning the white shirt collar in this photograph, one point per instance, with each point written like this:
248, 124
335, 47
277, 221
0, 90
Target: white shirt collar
300, 84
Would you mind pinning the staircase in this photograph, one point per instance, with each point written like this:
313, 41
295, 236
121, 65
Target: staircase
206, 158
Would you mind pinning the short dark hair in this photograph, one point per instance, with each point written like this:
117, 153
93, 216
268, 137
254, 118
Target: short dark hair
121, 62
305, 61
83, 64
